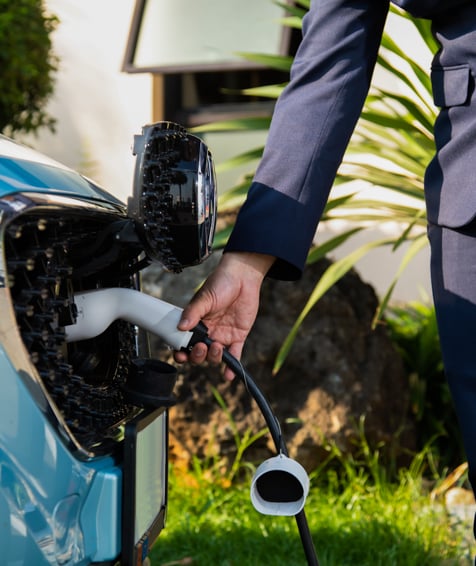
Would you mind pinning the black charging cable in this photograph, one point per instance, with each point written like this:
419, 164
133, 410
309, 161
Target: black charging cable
200, 334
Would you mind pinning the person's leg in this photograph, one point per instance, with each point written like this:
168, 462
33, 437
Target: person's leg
453, 271
450, 191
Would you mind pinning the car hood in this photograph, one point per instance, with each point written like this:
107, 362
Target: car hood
24, 170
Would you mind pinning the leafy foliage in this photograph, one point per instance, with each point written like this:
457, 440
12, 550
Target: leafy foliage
27, 64
414, 331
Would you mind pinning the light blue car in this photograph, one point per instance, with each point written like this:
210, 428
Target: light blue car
83, 436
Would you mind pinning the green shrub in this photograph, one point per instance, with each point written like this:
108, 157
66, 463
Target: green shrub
414, 331
27, 64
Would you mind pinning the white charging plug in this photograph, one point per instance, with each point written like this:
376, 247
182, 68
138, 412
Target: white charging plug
98, 308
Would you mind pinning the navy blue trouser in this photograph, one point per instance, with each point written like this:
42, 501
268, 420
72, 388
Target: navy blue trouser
453, 270
450, 190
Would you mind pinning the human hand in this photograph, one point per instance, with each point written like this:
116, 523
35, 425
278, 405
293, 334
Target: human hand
227, 304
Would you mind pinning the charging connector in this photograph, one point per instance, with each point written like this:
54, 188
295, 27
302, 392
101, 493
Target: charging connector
97, 309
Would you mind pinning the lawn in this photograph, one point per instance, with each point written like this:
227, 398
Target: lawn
360, 523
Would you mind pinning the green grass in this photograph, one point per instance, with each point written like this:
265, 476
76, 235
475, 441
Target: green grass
359, 523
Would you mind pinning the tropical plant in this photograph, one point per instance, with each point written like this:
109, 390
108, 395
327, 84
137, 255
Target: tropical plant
28, 65
395, 129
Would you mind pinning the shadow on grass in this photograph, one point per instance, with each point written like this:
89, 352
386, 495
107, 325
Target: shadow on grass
277, 543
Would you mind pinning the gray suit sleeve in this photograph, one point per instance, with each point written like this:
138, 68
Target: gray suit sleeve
311, 127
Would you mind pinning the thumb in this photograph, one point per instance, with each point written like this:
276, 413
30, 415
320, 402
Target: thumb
192, 314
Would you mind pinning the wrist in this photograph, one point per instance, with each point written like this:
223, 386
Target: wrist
259, 263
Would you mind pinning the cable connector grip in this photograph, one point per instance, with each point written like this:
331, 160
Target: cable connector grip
199, 334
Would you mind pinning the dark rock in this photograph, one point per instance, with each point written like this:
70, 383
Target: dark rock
339, 377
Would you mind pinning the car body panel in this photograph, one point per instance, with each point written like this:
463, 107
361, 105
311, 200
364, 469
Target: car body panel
44, 514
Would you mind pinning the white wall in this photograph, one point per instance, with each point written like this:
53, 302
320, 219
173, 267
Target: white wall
98, 108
